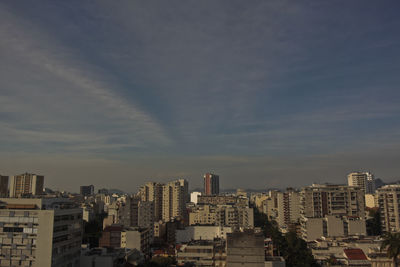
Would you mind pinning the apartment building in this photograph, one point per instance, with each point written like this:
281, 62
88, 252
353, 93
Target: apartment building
153, 192
40, 232
222, 215
26, 184
320, 200
202, 253
175, 197
111, 236
169, 200
245, 249
211, 184
222, 200
389, 206
332, 226
87, 190
365, 180
332, 210
137, 238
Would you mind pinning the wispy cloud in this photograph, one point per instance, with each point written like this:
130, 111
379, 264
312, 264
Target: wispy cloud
224, 83
74, 79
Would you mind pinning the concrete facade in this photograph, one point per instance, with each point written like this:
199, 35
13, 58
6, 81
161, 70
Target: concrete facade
245, 249
137, 238
201, 233
40, 233
26, 184
389, 207
211, 184
365, 180
320, 200
332, 226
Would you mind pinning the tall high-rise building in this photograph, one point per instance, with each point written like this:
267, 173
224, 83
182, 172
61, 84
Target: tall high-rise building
40, 232
168, 200
153, 192
146, 214
175, 196
389, 207
128, 212
211, 184
26, 184
3, 186
288, 207
365, 180
87, 190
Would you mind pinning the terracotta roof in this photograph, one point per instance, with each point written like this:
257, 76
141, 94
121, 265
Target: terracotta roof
355, 254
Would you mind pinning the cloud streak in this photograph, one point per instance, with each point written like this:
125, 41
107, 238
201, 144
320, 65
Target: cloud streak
223, 83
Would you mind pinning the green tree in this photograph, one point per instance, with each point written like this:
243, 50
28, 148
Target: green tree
391, 243
374, 225
292, 248
297, 253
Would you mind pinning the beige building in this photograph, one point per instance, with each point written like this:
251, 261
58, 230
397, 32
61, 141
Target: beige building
365, 180
153, 192
222, 200
332, 211
223, 215
203, 215
137, 238
169, 200
259, 200
26, 184
287, 208
175, 196
332, 226
40, 232
201, 232
389, 206
320, 200
371, 200
202, 253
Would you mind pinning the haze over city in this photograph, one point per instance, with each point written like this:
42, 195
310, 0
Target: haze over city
267, 94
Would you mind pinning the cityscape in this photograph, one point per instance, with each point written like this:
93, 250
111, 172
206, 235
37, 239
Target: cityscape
165, 224
223, 133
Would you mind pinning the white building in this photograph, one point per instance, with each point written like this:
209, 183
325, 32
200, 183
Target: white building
193, 197
365, 180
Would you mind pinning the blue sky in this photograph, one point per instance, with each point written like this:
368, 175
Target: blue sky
264, 93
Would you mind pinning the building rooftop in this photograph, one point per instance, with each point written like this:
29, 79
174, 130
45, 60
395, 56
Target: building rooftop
354, 254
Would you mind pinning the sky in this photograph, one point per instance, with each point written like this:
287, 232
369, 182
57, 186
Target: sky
264, 93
